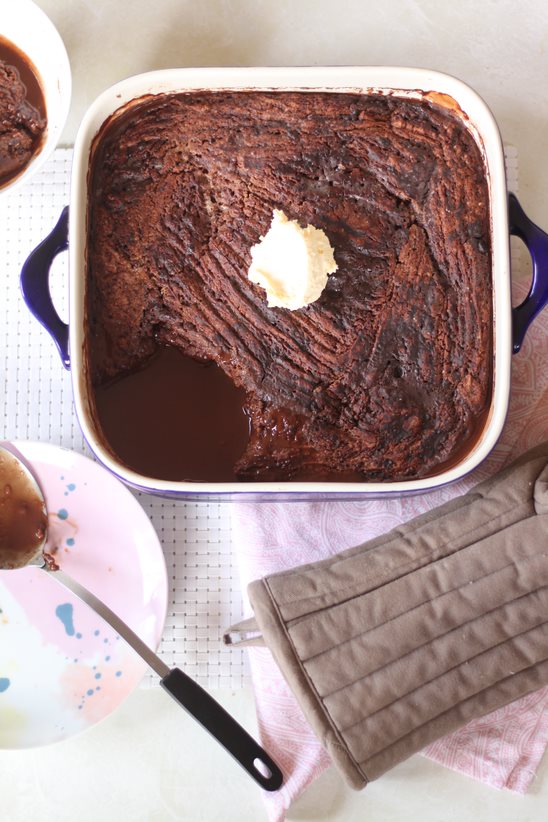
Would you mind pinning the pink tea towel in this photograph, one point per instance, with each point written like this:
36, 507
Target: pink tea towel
502, 749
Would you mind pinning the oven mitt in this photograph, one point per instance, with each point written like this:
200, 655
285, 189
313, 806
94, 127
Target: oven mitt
392, 644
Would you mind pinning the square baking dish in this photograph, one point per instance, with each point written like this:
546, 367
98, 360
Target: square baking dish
508, 329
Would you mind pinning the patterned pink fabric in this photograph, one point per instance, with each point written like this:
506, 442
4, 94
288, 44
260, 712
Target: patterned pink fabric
502, 749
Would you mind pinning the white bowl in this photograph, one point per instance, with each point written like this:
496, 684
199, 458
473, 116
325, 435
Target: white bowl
28, 28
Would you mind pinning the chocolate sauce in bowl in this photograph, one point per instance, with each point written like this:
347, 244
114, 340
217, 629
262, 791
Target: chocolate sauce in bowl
23, 117
23, 518
174, 419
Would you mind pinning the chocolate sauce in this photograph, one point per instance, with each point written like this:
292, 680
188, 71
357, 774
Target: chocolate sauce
50, 562
23, 116
175, 419
23, 518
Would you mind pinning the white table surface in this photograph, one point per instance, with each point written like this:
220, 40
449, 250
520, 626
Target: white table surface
149, 761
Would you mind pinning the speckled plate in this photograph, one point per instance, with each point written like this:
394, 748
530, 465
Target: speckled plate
62, 669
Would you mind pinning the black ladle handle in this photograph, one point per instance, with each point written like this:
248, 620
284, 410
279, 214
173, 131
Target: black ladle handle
184, 690
224, 728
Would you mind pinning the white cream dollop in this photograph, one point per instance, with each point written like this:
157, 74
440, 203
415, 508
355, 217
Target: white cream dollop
291, 263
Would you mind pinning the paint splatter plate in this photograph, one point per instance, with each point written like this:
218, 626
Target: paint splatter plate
62, 669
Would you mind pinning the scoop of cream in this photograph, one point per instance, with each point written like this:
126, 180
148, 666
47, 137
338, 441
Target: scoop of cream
291, 263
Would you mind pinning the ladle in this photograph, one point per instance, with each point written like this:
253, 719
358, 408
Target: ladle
23, 538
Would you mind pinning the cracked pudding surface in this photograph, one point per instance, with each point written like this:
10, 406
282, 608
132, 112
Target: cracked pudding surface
387, 376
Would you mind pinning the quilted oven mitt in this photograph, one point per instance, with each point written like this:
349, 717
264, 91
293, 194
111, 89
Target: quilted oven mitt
399, 641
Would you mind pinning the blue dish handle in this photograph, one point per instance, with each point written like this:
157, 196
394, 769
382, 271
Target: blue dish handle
36, 293
35, 285
536, 241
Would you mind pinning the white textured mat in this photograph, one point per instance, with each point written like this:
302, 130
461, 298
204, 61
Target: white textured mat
36, 404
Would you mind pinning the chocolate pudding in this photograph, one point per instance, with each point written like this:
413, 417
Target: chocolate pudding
387, 376
22, 112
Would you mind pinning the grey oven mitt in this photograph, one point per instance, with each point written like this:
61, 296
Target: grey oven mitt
399, 641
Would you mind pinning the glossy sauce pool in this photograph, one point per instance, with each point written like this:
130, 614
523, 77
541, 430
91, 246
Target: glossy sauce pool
174, 419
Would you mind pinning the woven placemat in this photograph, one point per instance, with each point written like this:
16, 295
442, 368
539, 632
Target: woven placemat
36, 404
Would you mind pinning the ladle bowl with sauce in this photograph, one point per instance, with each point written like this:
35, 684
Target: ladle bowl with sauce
23, 515
23, 542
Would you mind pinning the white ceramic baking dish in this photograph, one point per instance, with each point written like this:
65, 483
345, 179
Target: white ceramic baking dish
506, 217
